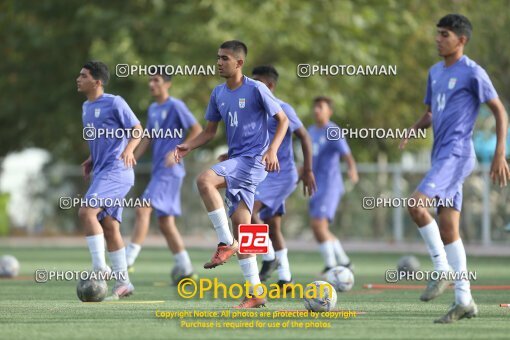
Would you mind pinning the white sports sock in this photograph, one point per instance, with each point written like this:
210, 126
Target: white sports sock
119, 265
220, 222
96, 249
283, 265
457, 259
435, 246
251, 271
270, 256
340, 255
328, 253
182, 259
132, 252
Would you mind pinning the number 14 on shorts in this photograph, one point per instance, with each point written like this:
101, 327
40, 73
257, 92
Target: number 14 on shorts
253, 238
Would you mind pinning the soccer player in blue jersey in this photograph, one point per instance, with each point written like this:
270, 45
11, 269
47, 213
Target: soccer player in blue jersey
167, 116
273, 191
244, 105
456, 87
327, 153
111, 163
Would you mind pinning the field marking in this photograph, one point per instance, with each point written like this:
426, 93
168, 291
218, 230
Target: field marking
417, 287
127, 302
161, 284
18, 278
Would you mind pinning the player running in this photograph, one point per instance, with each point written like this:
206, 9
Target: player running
166, 116
111, 163
328, 149
271, 194
244, 105
456, 87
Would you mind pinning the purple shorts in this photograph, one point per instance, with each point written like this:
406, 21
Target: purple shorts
105, 191
325, 200
243, 175
446, 177
164, 194
274, 190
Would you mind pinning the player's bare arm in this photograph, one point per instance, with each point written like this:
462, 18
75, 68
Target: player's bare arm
128, 154
423, 123
202, 138
270, 158
86, 168
193, 131
142, 147
499, 167
352, 170
309, 185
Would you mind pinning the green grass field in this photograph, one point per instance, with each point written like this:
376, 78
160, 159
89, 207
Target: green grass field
52, 310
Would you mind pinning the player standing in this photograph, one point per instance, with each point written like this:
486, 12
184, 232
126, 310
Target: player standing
244, 105
456, 87
111, 162
327, 152
273, 191
166, 116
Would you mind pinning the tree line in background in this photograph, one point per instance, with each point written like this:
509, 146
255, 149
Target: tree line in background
43, 45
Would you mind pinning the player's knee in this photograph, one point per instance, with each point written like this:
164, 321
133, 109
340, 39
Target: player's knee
417, 213
203, 183
109, 229
84, 214
166, 225
142, 212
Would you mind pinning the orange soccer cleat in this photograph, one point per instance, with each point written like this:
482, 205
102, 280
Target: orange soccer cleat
222, 254
252, 302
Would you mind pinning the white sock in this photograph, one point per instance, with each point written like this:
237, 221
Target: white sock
270, 256
283, 265
132, 252
119, 265
251, 271
435, 246
328, 253
457, 259
220, 222
182, 259
96, 249
340, 255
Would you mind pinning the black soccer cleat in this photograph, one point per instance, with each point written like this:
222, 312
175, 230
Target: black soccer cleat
289, 284
325, 270
268, 267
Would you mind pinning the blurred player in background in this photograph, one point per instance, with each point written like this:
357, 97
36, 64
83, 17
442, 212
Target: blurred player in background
328, 148
455, 89
271, 194
168, 115
244, 105
111, 163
